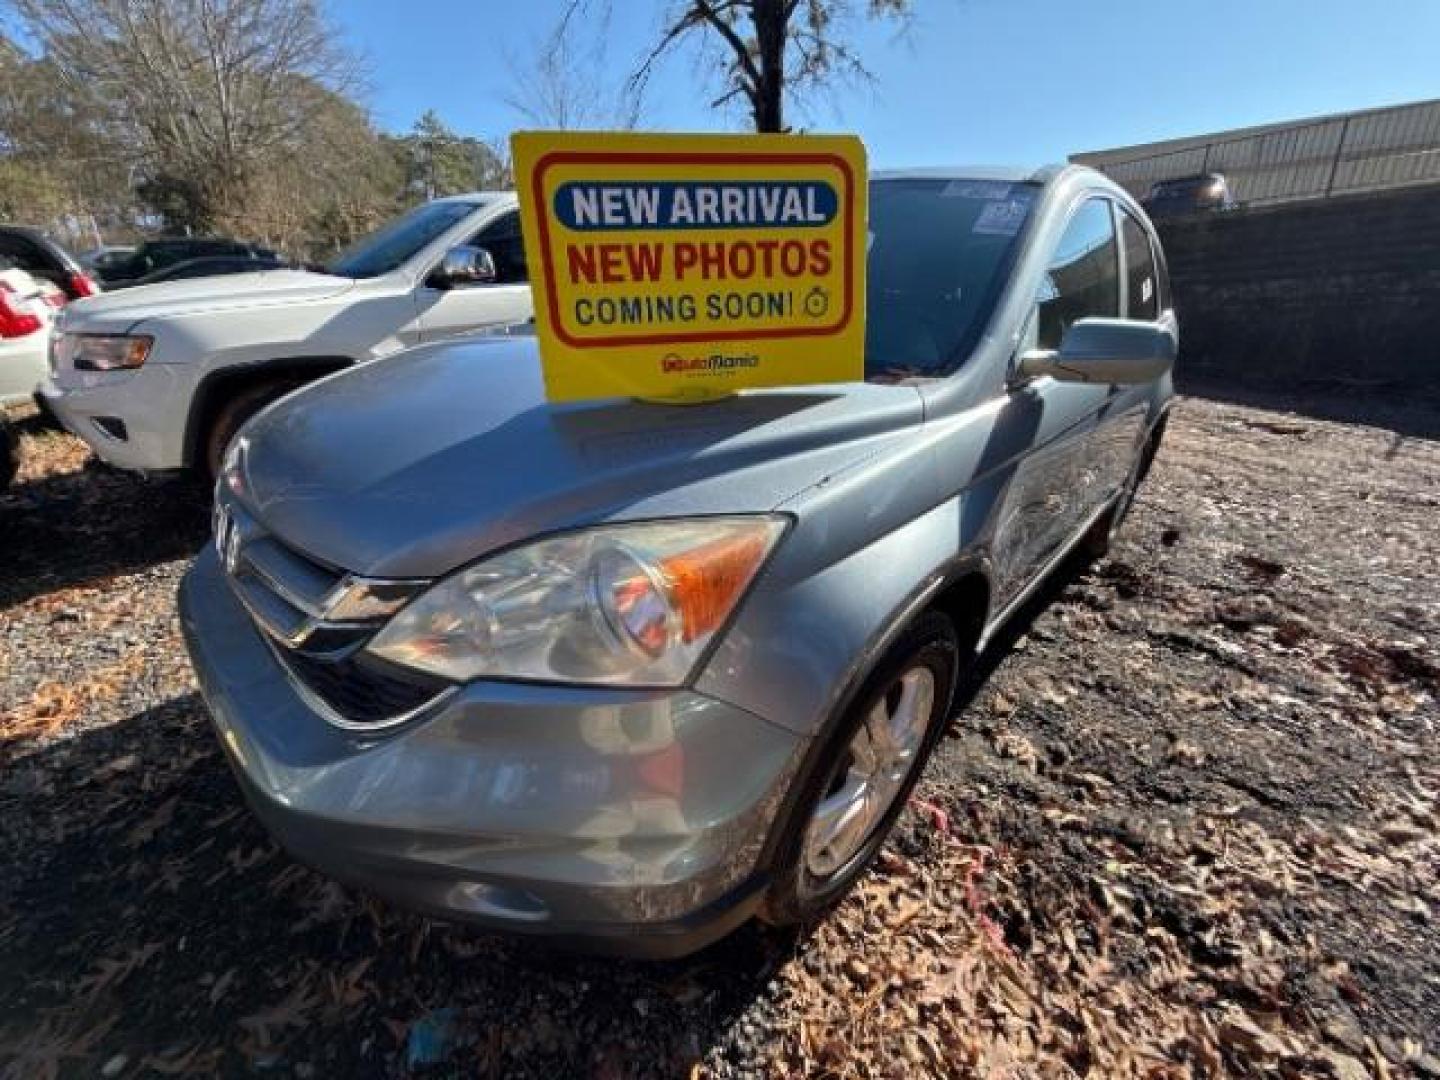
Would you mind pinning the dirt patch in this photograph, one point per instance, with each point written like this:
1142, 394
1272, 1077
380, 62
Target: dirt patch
1187, 825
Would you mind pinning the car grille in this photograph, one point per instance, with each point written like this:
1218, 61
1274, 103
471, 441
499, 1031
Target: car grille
361, 693
318, 619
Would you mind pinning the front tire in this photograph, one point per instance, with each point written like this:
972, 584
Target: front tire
865, 774
232, 415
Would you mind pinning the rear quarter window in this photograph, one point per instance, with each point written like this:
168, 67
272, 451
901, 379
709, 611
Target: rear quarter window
1141, 280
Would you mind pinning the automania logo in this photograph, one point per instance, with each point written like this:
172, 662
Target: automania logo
675, 364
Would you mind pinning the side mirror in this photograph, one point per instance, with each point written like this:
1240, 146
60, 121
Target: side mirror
462, 266
1104, 351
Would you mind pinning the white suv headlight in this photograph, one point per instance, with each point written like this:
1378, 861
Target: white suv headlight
100, 352
631, 605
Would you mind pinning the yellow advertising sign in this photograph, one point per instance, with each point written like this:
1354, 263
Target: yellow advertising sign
688, 266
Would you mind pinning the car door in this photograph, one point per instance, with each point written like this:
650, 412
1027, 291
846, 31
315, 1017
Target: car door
1142, 299
448, 312
1066, 476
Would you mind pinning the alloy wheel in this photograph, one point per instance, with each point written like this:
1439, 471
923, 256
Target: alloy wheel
872, 771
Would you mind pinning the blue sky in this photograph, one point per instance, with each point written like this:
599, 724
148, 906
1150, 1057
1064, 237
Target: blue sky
1021, 81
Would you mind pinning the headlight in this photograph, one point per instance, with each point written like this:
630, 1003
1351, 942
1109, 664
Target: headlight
632, 605
103, 352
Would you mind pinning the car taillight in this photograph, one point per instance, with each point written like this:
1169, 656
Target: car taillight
15, 321
82, 286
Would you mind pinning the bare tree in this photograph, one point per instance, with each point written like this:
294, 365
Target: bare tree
565, 84
207, 89
772, 48
59, 164
342, 183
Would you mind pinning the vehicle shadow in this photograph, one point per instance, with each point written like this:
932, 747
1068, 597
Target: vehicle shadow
1069, 571
1412, 415
85, 525
146, 903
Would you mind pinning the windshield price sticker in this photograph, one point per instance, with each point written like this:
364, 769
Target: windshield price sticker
690, 266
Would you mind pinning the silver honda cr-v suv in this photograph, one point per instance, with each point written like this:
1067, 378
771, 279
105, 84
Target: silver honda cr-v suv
628, 673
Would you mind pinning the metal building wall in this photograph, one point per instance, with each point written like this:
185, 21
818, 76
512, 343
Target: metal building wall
1362, 151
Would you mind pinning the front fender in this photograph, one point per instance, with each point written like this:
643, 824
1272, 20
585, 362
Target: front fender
806, 637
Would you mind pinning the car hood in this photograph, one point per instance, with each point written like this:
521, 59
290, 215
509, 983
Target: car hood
125, 308
415, 465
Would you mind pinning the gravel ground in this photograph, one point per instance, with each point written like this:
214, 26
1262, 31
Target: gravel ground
1186, 824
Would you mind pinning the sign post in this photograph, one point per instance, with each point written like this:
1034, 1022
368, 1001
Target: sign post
686, 267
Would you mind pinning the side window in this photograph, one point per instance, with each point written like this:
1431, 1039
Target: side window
1143, 294
502, 239
1162, 282
163, 255
1083, 279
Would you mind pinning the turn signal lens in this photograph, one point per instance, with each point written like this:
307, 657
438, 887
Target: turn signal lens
707, 580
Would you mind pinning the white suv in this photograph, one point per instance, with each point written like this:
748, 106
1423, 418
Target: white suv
158, 378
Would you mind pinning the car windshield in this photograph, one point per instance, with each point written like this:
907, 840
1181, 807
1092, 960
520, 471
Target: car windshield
388, 247
939, 253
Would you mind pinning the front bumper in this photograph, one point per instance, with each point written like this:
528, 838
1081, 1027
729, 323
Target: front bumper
152, 402
629, 821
